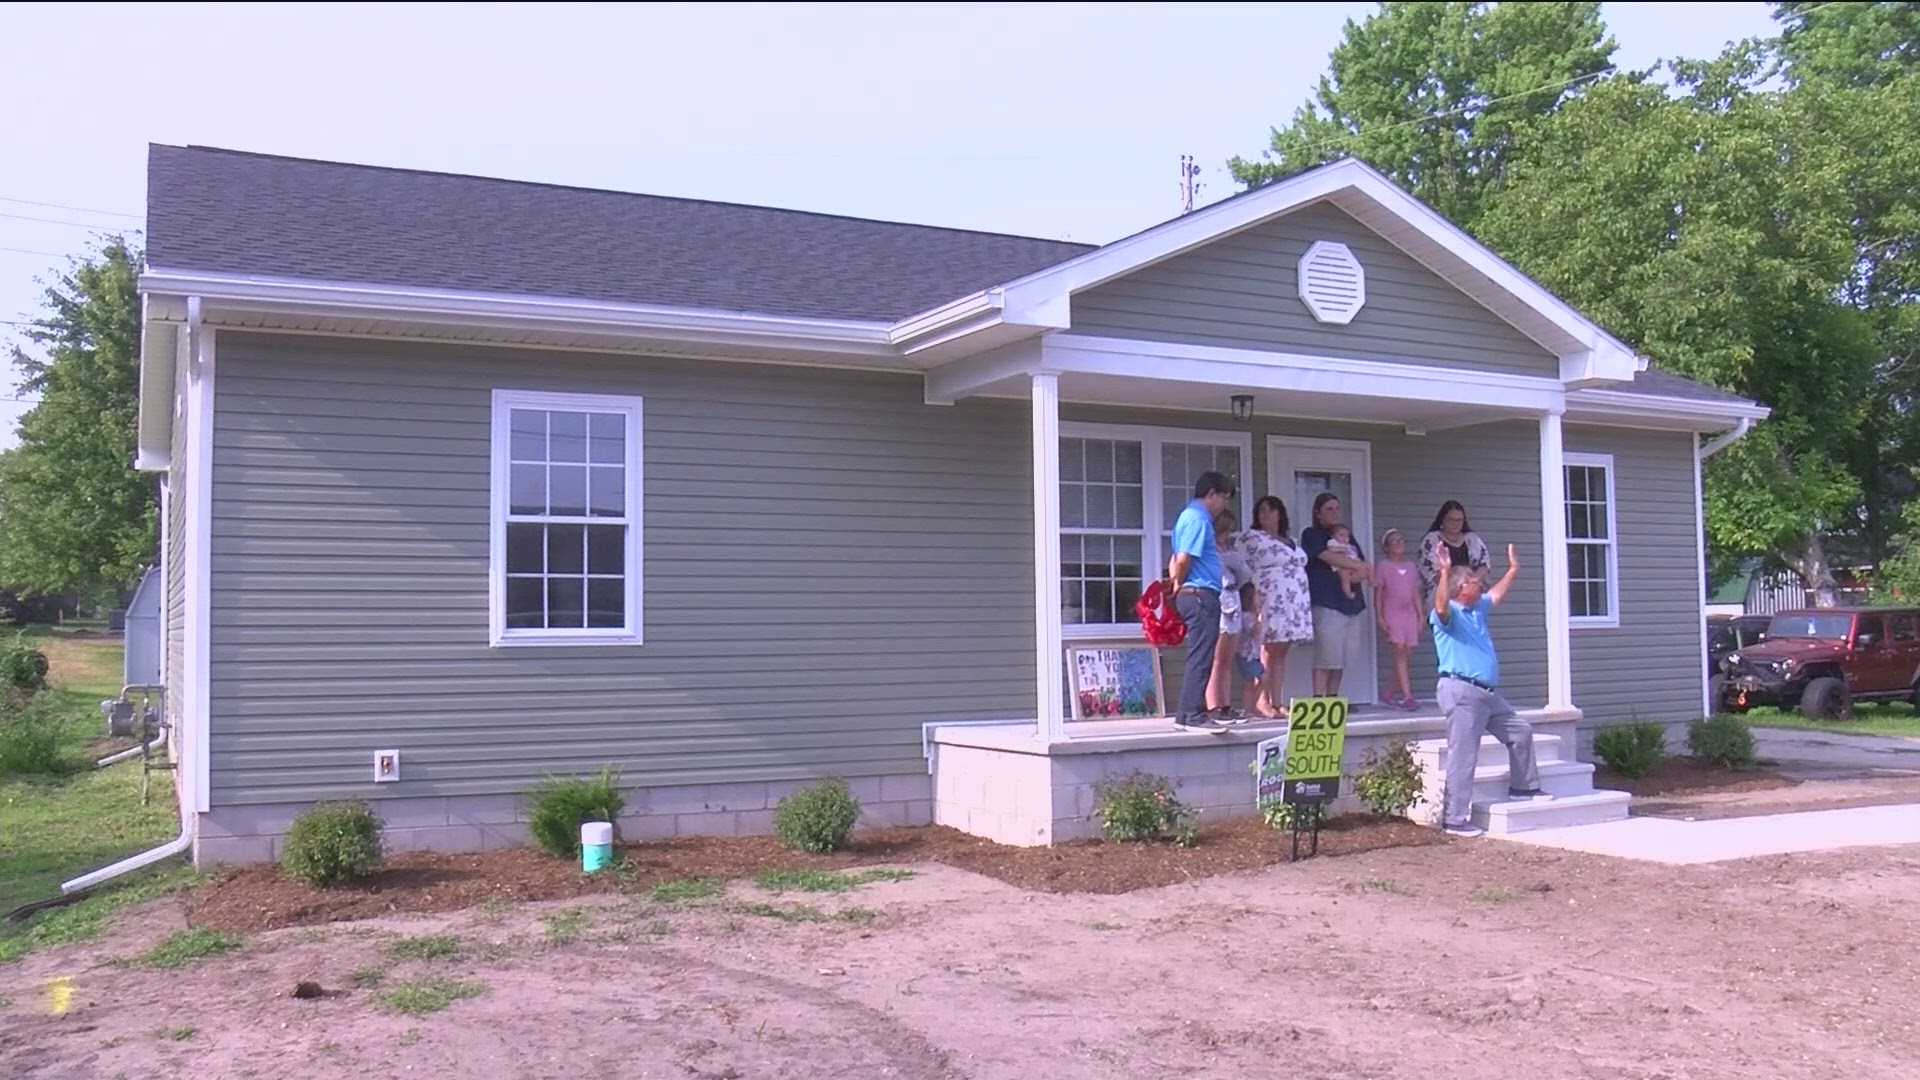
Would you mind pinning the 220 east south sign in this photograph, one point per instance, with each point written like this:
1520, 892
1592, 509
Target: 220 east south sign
1316, 739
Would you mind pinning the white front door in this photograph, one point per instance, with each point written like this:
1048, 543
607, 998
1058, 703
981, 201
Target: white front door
1298, 471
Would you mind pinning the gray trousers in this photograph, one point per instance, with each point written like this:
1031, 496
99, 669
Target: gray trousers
1200, 610
1472, 712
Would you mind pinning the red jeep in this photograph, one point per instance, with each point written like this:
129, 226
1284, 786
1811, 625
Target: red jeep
1820, 661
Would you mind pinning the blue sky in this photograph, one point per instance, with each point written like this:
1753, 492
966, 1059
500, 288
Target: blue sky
1062, 121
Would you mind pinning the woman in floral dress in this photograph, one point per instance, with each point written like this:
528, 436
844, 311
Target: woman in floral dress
1280, 580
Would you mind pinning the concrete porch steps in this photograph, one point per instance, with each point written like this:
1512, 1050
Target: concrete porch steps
1570, 781
1501, 817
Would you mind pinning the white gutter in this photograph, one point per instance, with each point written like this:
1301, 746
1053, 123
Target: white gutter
1728, 439
188, 819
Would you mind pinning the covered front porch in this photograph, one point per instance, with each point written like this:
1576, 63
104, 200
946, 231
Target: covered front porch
1394, 440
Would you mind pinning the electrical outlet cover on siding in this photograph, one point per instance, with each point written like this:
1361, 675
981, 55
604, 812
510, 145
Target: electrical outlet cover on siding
1333, 284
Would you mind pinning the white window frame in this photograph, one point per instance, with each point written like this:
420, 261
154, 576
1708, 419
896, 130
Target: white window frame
1611, 619
1152, 523
504, 402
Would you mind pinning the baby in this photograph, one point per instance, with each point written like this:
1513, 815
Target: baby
1342, 544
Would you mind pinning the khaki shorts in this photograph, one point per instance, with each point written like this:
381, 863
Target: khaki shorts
1335, 635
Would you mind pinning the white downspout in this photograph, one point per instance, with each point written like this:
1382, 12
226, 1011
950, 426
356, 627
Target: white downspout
189, 820
1728, 439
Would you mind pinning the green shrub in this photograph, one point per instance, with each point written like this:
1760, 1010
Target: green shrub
23, 667
817, 818
30, 739
1725, 741
562, 804
1142, 806
1391, 782
1632, 750
333, 843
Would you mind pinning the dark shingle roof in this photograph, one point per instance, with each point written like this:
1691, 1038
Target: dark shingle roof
235, 212
223, 210
1662, 384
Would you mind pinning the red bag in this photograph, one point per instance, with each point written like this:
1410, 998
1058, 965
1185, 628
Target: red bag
1163, 624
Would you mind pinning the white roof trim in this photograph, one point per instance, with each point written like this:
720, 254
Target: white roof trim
1624, 407
257, 292
1586, 351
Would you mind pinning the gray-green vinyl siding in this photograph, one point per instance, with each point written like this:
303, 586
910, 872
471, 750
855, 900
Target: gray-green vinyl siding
828, 562
1650, 668
1493, 468
1241, 292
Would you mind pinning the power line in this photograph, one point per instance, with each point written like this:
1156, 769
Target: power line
76, 224
36, 251
64, 206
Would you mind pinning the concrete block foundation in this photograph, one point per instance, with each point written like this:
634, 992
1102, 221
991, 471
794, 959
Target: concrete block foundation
1004, 783
235, 835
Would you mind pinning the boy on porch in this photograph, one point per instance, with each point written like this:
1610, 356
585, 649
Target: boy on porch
1468, 691
1195, 573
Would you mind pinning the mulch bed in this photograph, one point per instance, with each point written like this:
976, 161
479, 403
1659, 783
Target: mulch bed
260, 897
1689, 776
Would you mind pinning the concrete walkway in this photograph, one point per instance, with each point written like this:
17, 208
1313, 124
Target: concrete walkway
1665, 840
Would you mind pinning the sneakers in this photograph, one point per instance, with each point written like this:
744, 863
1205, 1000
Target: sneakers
1462, 828
1531, 795
1201, 722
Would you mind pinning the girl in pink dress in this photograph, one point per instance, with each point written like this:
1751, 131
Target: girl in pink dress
1396, 603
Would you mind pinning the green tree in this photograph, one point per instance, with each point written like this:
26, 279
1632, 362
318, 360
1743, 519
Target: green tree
73, 512
1711, 224
1439, 96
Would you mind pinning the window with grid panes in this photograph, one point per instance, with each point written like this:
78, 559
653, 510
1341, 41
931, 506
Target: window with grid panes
1592, 559
566, 518
1119, 496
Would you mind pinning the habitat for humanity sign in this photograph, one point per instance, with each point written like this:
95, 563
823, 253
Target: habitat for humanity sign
1304, 765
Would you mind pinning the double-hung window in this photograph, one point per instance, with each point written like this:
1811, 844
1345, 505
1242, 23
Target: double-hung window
1121, 488
566, 535
1593, 558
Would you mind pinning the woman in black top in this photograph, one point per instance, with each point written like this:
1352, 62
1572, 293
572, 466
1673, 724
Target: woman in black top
1464, 547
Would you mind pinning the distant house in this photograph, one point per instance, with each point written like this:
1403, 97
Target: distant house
1758, 589
516, 479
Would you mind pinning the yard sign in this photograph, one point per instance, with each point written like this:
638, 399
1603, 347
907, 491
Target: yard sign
1316, 738
1110, 682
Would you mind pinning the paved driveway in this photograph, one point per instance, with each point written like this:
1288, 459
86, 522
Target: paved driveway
1821, 755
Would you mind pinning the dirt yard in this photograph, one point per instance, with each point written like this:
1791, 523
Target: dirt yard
1463, 959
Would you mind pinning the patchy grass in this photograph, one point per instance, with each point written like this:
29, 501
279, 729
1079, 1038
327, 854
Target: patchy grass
859, 916
1495, 896
686, 890
786, 913
428, 947
825, 881
1895, 718
1381, 885
367, 978
495, 908
565, 927
408, 1037
659, 928
177, 1034
53, 828
417, 996
85, 919
183, 947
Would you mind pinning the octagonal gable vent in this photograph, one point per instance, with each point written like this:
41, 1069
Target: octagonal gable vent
1332, 283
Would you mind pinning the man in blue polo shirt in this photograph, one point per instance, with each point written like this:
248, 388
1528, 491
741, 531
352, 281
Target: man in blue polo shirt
1195, 574
1469, 691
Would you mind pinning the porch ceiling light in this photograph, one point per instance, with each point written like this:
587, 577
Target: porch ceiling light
1242, 407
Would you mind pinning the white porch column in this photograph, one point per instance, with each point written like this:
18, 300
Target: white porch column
1553, 519
1049, 657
